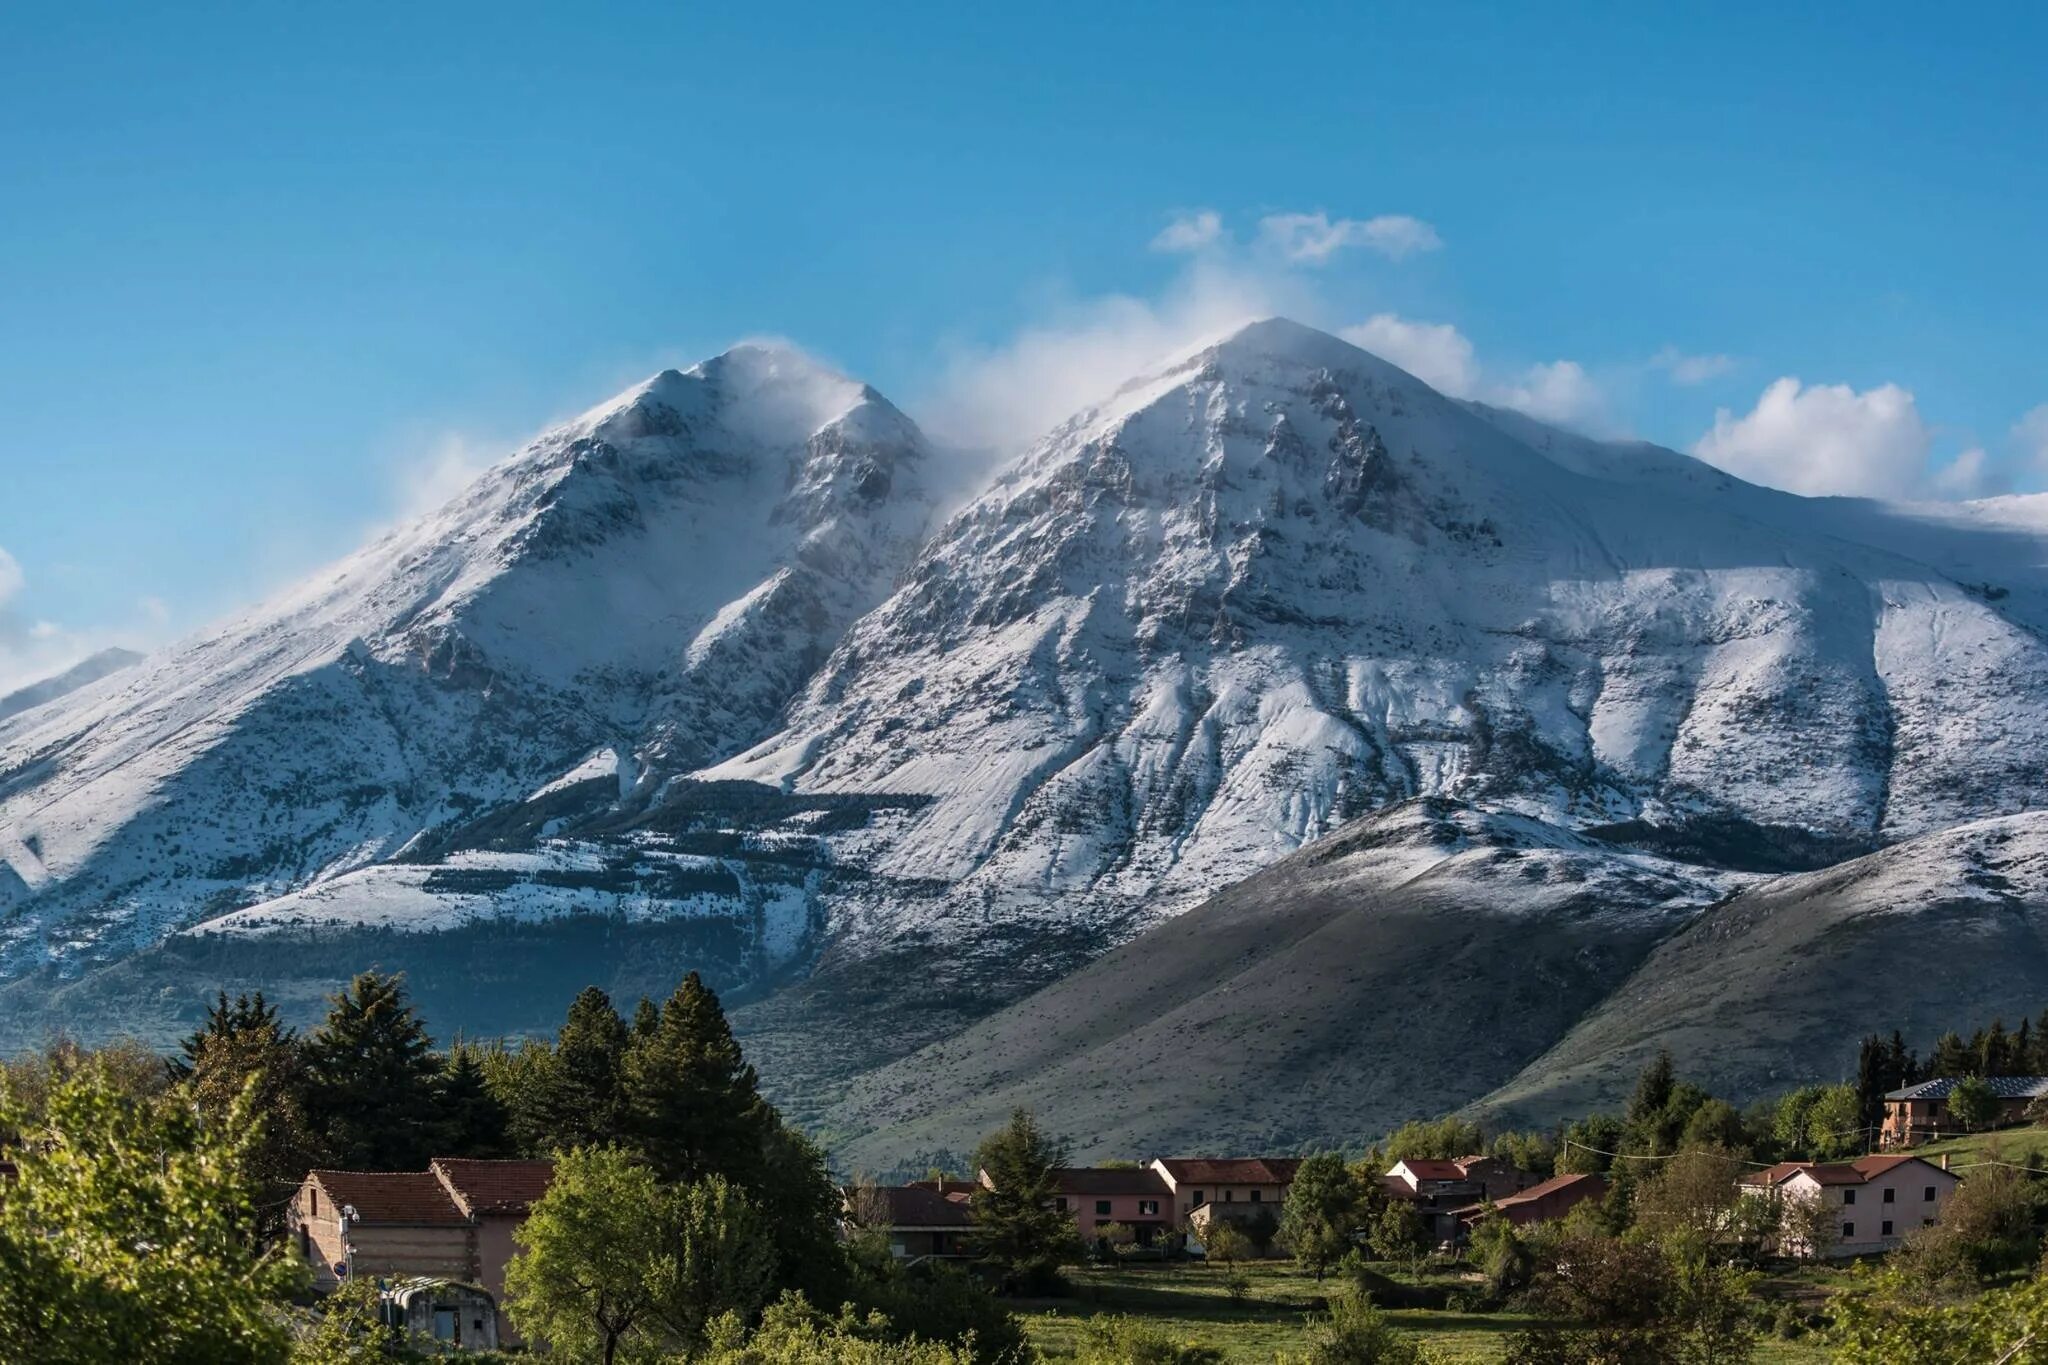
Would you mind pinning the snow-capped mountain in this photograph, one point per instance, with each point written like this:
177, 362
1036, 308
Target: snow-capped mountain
644, 586
701, 653
1281, 583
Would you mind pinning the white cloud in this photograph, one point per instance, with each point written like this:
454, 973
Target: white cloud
1313, 238
1435, 352
998, 398
1826, 438
1190, 231
1968, 475
439, 468
1560, 392
2031, 432
1691, 369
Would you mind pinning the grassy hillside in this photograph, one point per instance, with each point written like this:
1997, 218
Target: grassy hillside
1772, 989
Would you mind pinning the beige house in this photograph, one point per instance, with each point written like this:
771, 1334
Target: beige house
450, 1222
1238, 1188
1869, 1204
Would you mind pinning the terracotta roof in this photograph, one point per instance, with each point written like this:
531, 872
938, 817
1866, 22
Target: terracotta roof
1245, 1170
494, 1186
1549, 1187
1426, 1169
1858, 1172
919, 1206
390, 1196
2004, 1087
1114, 1180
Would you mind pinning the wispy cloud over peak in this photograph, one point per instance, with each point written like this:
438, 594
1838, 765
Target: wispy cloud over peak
1314, 238
1193, 230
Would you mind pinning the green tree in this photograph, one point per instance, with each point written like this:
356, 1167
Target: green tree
1710, 1307
793, 1333
692, 1104
1834, 1123
1439, 1139
1587, 1142
472, 1122
1354, 1332
575, 1096
1889, 1318
610, 1262
720, 1258
373, 1093
1398, 1234
1322, 1212
1019, 1231
125, 1234
1133, 1341
585, 1278
1972, 1103
245, 1054
351, 1329
1224, 1243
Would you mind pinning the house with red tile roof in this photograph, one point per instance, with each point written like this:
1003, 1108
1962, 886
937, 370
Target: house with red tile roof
1543, 1202
452, 1221
1871, 1203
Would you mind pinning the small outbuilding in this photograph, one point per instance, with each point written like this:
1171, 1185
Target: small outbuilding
443, 1315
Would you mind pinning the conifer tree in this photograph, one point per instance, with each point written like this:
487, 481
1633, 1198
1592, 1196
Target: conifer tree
245, 1056
375, 1082
646, 1018
572, 1095
1020, 1232
693, 1105
473, 1121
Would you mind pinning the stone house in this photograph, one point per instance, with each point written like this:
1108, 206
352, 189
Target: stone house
450, 1222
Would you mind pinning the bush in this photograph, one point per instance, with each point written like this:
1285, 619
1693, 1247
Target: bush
933, 1302
1128, 1341
793, 1333
1356, 1333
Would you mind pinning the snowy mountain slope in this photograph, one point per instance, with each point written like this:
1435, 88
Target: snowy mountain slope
85, 672
1281, 583
658, 575
1396, 969
1773, 988
697, 657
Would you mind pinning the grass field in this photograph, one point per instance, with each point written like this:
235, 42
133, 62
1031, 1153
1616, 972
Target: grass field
1189, 1301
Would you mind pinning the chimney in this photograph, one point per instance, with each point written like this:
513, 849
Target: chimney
1944, 1161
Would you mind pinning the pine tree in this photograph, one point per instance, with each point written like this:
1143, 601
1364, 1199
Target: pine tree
646, 1018
1020, 1232
1991, 1056
1873, 1078
573, 1096
374, 1092
1952, 1056
1653, 1090
244, 1057
473, 1122
692, 1105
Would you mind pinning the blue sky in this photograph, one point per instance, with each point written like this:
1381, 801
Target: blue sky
271, 274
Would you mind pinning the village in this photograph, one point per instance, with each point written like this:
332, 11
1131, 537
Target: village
437, 1242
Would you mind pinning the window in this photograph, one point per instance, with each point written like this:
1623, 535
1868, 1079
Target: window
1888, 1196
1884, 1229
1148, 1208
1194, 1199
1926, 1222
1230, 1196
1927, 1195
1848, 1232
1255, 1196
1102, 1208
1061, 1202
313, 1201
1848, 1196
